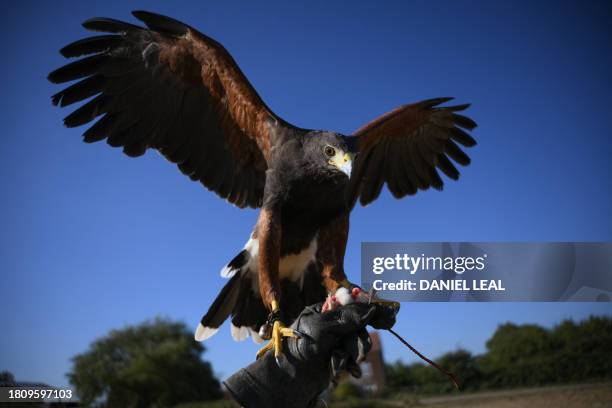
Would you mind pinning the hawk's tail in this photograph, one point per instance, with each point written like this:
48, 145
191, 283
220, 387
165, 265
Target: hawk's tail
219, 310
238, 299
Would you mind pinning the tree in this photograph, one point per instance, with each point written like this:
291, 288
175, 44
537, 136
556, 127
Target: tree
583, 351
426, 379
399, 375
6, 378
519, 356
154, 364
464, 365
511, 343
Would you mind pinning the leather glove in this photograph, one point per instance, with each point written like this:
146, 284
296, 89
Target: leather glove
327, 343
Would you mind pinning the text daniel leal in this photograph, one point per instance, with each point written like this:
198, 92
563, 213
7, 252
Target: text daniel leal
442, 284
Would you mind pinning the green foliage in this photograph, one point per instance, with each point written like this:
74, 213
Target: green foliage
519, 355
152, 364
346, 391
426, 379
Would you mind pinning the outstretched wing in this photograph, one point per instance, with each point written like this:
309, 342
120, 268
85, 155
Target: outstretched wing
405, 147
171, 88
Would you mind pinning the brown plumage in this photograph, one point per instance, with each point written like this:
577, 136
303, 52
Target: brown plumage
171, 88
405, 146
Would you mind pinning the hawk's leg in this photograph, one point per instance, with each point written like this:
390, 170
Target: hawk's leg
332, 244
269, 234
278, 331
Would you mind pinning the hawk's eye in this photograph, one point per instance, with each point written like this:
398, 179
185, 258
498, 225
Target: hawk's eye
329, 151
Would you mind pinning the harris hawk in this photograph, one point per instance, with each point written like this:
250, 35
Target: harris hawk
171, 88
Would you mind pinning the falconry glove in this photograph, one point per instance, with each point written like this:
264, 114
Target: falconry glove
326, 344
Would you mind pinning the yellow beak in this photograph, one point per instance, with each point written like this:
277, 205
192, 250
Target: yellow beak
344, 163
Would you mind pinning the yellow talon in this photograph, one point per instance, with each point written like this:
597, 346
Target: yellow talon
276, 341
264, 349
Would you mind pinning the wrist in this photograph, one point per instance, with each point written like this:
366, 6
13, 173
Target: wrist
266, 384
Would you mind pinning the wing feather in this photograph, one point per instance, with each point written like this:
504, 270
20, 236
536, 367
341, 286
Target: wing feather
171, 88
375, 180
447, 167
405, 147
409, 167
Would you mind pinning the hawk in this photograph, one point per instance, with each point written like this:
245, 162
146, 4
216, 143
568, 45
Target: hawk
168, 87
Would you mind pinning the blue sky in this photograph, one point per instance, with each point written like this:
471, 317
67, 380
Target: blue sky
93, 240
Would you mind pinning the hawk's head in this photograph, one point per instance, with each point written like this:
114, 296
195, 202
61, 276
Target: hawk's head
328, 153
